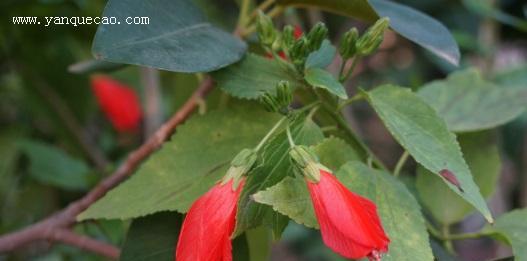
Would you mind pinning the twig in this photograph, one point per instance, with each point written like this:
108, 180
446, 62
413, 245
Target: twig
150, 81
400, 163
65, 218
83, 242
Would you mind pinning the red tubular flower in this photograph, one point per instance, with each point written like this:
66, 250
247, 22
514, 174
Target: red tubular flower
119, 103
209, 224
349, 223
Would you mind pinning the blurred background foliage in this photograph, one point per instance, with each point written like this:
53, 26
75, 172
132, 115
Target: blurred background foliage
49, 118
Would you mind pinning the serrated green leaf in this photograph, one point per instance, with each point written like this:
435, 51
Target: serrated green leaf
512, 225
323, 79
253, 76
418, 128
152, 237
334, 152
53, 166
408, 22
322, 57
176, 38
274, 167
186, 166
469, 103
399, 211
481, 153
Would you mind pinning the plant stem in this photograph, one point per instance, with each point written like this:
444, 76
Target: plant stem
268, 135
347, 102
264, 5
446, 237
289, 136
400, 163
351, 69
243, 16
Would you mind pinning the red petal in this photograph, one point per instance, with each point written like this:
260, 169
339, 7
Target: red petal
348, 222
118, 102
205, 234
298, 32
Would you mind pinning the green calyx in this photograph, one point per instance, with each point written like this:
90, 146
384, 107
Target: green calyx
267, 34
306, 162
348, 43
315, 37
372, 39
240, 165
280, 100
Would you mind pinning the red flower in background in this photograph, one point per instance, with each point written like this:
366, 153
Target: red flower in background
349, 223
209, 224
118, 101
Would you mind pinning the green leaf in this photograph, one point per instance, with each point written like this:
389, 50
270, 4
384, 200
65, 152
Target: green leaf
512, 225
469, 103
323, 79
153, 237
408, 22
253, 76
419, 28
334, 152
53, 166
481, 153
177, 37
399, 211
185, 167
274, 166
418, 128
322, 57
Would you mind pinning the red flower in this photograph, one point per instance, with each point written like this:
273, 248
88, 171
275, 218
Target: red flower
118, 102
349, 223
209, 224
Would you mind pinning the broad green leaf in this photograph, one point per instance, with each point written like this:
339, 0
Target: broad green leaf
186, 166
418, 128
322, 57
323, 79
259, 241
469, 103
284, 196
399, 211
487, 9
53, 166
512, 225
253, 76
153, 237
176, 38
274, 166
513, 78
481, 153
408, 22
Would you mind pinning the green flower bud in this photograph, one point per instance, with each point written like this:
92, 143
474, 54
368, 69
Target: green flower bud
315, 37
306, 162
288, 37
299, 52
348, 48
265, 30
370, 41
278, 102
240, 165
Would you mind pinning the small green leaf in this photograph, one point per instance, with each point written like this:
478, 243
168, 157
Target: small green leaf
274, 166
51, 165
512, 225
323, 79
176, 38
152, 238
418, 128
469, 103
323, 57
481, 153
186, 166
253, 76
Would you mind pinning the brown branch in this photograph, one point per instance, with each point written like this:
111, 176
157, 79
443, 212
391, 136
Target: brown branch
65, 218
83, 242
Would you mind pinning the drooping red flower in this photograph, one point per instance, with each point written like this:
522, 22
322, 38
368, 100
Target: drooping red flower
209, 224
349, 223
118, 101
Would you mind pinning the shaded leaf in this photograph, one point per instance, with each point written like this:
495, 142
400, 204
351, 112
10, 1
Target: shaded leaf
513, 227
253, 76
469, 103
177, 37
322, 57
354, 8
481, 153
186, 166
323, 79
418, 128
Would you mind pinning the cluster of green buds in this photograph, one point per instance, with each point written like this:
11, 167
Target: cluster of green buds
265, 30
351, 44
279, 100
306, 162
240, 165
299, 49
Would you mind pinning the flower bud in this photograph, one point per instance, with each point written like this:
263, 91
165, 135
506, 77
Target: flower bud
348, 48
315, 37
265, 30
299, 52
370, 41
278, 102
240, 165
288, 37
306, 162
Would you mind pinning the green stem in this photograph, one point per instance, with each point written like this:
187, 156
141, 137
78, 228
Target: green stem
351, 100
342, 67
290, 137
400, 163
244, 10
445, 233
440, 235
351, 69
268, 135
